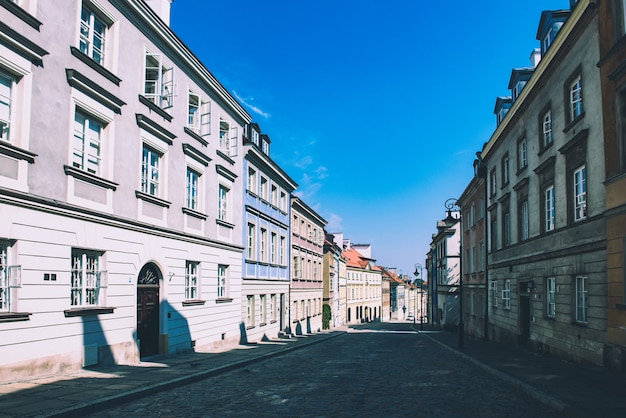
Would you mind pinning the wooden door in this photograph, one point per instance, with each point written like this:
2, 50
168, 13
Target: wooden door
148, 320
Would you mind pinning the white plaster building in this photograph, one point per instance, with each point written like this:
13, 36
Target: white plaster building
120, 189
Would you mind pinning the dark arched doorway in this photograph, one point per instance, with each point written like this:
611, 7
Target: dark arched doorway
148, 283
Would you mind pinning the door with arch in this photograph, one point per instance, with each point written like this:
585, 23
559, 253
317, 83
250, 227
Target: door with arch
148, 283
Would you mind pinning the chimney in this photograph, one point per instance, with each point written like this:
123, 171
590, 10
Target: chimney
535, 57
161, 8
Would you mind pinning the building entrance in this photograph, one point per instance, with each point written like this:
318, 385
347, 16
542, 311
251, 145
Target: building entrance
148, 283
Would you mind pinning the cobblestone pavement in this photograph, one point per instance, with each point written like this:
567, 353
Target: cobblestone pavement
381, 370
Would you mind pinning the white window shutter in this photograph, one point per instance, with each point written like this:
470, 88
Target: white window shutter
205, 119
234, 141
14, 274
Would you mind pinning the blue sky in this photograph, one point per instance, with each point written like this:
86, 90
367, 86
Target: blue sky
376, 109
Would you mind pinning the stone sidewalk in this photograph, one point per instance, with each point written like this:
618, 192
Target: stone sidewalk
575, 390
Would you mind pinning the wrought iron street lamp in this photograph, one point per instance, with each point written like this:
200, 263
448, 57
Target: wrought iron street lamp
419, 283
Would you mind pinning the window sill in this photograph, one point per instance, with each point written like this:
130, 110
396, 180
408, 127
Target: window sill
69, 313
573, 123
193, 302
225, 224
581, 324
14, 316
225, 156
95, 66
250, 327
194, 213
262, 324
155, 108
152, 199
154, 128
94, 90
273, 321
223, 300
15, 152
544, 149
21, 13
89, 178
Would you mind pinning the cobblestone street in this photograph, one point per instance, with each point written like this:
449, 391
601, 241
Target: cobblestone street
376, 370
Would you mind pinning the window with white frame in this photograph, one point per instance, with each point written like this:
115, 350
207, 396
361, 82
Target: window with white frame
581, 299
87, 145
7, 88
551, 297
493, 184
191, 201
191, 280
159, 81
10, 278
473, 260
263, 309
506, 294
250, 311
228, 138
92, 34
575, 99
481, 256
273, 247
223, 203
87, 279
274, 195
264, 192
549, 208
522, 157
263, 249
283, 201
283, 250
546, 129
193, 112
297, 273
580, 193
273, 308
222, 281
505, 170
252, 180
251, 242
150, 171
493, 287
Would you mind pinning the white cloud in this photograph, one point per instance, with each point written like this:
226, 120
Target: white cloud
334, 223
253, 108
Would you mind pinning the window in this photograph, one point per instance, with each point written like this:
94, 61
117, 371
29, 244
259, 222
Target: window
251, 242
549, 208
546, 130
297, 273
191, 280
263, 309
505, 170
494, 232
264, 188
87, 279
506, 229
506, 294
283, 201
551, 297
580, 194
547, 40
522, 155
191, 201
524, 225
159, 81
10, 278
575, 99
222, 289
86, 145
274, 195
581, 299
263, 255
283, 250
7, 86
273, 248
250, 311
193, 114
473, 213
252, 180
150, 171
222, 203
481, 256
493, 287
92, 35
273, 308
473, 260
228, 138
493, 184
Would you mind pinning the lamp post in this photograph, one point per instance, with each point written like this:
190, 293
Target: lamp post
419, 281
452, 204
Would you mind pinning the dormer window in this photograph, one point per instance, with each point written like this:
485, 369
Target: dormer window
518, 89
503, 104
549, 26
266, 147
547, 40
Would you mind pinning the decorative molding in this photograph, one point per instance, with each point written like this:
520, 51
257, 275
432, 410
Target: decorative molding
69, 313
223, 171
21, 13
152, 199
15, 152
26, 47
197, 137
200, 157
194, 213
89, 178
194, 302
154, 128
95, 66
155, 108
14, 316
94, 90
